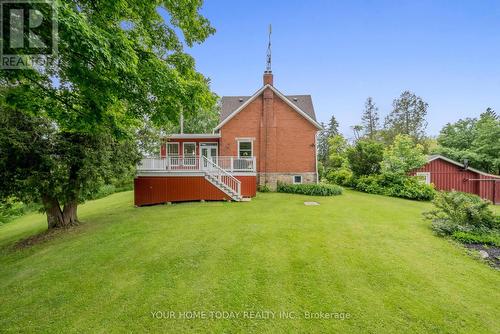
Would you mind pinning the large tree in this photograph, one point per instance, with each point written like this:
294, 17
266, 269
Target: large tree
402, 156
338, 146
118, 63
407, 118
370, 119
477, 140
325, 134
333, 127
323, 145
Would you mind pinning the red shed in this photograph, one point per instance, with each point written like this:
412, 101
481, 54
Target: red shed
447, 174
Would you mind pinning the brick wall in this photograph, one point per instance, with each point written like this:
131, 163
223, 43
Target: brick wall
283, 140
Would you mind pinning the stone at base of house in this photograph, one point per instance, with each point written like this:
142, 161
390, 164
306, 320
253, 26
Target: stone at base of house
271, 179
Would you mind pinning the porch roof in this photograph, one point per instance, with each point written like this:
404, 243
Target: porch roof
193, 136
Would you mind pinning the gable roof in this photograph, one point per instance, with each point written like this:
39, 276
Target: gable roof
231, 105
442, 157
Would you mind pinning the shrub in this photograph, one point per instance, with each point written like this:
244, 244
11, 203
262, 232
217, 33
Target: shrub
395, 185
321, 170
365, 157
342, 176
369, 184
461, 212
477, 238
109, 189
263, 188
11, 209
409, 187
320, 189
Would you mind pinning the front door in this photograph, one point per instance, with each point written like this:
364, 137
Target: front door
208, 151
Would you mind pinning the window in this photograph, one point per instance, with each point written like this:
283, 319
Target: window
245, 148
297, 179
173, 153
189, 150
424, 177
172, 149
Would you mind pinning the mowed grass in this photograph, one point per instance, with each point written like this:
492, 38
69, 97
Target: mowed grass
370, 256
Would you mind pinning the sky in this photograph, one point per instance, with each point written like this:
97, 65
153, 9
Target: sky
341, 52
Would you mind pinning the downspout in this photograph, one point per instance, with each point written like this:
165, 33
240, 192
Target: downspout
316, 155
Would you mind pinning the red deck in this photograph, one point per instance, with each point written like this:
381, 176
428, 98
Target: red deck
161, 189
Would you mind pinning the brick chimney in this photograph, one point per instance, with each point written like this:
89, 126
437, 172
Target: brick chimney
267, 156
268, 78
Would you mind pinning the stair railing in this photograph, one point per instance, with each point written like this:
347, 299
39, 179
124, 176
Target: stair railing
224, 177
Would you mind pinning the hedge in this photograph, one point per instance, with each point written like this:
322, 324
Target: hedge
320, 189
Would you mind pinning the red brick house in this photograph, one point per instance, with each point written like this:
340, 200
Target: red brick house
447, 174
261, 139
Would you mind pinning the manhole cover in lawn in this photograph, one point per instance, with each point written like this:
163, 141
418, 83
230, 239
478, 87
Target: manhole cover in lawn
311, 203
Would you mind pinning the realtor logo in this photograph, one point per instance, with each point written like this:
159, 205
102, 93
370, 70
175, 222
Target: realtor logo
28, 32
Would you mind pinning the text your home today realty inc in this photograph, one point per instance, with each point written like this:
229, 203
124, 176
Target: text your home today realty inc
249, 315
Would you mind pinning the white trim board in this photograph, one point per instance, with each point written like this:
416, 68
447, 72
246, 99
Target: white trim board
193, 136
281, 96
238, 141
164, 173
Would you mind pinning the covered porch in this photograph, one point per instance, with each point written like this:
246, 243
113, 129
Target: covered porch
202, 163
190, 168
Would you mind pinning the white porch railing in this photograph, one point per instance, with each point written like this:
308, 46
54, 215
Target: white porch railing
223, 177
195, 163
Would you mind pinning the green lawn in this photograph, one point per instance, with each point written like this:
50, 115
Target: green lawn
370, 256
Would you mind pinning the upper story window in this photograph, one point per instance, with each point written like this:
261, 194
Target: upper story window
245, 148
172, 149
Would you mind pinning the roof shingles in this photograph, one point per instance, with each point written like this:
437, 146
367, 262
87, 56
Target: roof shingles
230, 103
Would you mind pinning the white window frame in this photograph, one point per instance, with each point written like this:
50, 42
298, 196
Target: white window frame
244, 140
427, 176
189, 156
205, 144
293, 179
173, 159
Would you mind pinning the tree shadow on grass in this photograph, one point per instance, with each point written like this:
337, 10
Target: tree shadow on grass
44, 236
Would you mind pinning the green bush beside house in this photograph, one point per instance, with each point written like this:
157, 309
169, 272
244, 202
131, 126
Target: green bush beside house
320, 189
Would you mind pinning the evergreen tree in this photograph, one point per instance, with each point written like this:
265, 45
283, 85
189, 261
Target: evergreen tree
333, 127
370, 119
323, 145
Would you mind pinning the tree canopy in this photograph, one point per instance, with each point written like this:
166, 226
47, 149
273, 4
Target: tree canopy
407, 117
365, 157
118, 64
402, 156
474, 139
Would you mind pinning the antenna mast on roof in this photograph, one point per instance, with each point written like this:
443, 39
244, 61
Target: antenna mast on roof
268, 65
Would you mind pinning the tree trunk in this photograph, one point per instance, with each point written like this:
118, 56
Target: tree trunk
57, 218
70, 213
